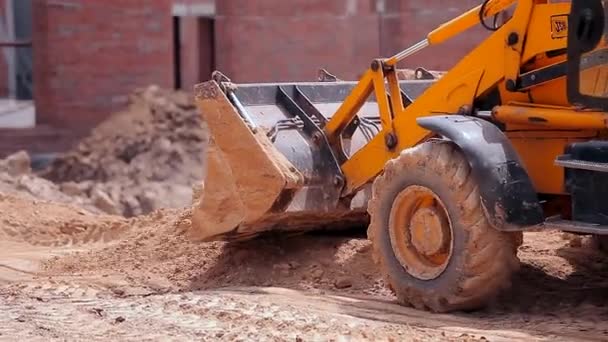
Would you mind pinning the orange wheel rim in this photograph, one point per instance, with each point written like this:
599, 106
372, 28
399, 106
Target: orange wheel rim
421, 232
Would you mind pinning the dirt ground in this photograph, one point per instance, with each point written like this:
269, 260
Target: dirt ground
66, 273
93, 247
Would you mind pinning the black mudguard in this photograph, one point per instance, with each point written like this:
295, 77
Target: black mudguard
507, 193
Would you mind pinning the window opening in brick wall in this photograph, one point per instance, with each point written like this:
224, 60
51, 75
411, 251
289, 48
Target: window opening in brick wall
206, 34
16, 49
22, 10
177, 53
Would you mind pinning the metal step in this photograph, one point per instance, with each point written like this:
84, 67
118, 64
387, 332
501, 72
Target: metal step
567, 162
574, 226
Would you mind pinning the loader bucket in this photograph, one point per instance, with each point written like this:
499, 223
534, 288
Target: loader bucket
267, 167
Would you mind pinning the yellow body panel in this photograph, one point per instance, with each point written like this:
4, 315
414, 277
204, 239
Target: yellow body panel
550, 117
536, 118
538, 151
540, 38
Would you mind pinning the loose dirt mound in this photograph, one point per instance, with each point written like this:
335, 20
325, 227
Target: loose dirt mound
155, 246
141, 159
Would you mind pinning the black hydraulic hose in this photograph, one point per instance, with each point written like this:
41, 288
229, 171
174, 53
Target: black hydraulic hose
482, 19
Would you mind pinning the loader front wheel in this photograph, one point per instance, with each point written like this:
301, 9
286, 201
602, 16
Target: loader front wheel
430, 237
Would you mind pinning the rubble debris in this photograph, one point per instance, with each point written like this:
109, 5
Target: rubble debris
73, 188
16, 179
16, 164
104, 202
343, 283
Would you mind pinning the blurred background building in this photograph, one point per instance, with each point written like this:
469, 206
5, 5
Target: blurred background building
67, 64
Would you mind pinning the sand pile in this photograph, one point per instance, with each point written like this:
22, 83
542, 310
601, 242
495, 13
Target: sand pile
141, 159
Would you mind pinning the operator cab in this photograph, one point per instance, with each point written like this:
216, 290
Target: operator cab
587, 29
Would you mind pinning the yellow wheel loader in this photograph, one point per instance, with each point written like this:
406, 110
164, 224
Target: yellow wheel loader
447, 169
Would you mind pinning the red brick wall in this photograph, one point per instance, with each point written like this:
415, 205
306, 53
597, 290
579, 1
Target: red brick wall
275, 40
291, 40
405, 23
88, 55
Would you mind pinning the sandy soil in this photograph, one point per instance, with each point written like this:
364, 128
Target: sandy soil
66, 273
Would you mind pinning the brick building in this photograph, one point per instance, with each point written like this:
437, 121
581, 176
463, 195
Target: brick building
88, 55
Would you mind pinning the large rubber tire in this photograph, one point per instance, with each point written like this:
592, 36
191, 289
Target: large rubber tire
482, 259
